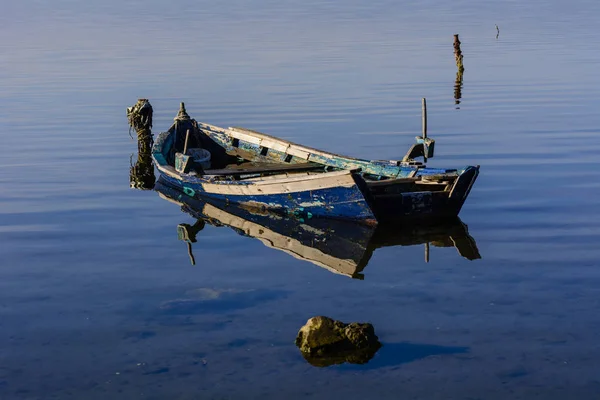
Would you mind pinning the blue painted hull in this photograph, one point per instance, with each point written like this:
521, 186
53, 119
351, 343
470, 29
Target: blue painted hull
337, 203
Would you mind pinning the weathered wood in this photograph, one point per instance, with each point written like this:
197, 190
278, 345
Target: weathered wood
424, 117
388, 182
305, 154
458, 56
187, 138
265, 168
141, 175
458, 82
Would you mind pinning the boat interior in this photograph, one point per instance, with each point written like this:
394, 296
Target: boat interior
195, 152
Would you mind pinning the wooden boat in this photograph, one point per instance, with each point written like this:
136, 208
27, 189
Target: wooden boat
261, 171
339, 246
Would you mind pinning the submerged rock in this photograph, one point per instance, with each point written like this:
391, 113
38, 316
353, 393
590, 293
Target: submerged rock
324, 341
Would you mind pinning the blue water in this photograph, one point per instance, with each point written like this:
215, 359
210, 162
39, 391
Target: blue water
97, 295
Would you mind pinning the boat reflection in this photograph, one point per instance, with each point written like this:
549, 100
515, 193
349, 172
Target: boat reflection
341, 247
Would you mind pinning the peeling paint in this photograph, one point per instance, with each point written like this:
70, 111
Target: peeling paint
312, 230
312, 203
189, 191
257, 207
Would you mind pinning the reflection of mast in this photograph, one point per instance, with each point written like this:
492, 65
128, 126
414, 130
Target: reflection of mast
188, 233
141, 175
458, 83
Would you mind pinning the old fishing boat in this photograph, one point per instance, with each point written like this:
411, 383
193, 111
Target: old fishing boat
259, 171
339, 246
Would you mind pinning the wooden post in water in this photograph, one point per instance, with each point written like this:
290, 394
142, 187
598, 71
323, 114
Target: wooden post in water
458, 57
458, 83
141, 175
427, 252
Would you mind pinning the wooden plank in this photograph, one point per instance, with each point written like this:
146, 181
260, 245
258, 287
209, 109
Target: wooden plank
275, 145
390, 182
295, 151
285, 185
263, 169
245, 137
244, 134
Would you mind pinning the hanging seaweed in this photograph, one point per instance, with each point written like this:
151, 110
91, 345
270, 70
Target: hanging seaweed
140, 119
141, 174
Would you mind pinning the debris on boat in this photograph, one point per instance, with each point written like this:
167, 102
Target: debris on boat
324, 342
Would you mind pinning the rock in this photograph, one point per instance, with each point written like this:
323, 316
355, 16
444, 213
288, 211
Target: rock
324, 341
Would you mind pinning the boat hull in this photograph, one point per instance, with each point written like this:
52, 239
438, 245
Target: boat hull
344, 188
347, 203
389, 203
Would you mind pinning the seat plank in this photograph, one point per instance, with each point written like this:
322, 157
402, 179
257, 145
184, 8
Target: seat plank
265, 167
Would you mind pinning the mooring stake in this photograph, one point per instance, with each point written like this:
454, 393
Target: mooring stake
458, 83
424, 125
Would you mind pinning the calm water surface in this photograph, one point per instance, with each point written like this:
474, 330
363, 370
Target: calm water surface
97, 295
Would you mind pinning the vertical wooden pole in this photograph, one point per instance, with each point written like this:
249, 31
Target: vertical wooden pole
424, 125
424, 117
185, 145
458, 83
458, 56
427, 252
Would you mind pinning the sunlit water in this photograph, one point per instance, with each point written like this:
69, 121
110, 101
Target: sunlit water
93, 278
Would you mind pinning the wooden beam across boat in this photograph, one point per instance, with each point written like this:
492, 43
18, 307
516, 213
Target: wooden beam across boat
261, 168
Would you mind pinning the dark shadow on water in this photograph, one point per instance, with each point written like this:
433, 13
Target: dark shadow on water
396, 354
